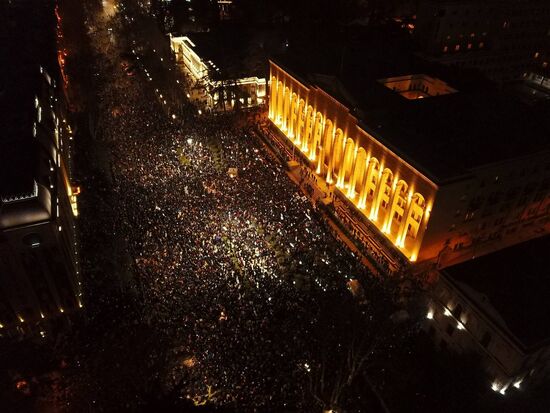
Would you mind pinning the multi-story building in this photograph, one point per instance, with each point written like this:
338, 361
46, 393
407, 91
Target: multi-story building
499, 38
495, 306
418, 169
39, 262
215, 83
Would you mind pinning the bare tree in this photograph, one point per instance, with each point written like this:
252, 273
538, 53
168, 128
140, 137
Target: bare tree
355, 337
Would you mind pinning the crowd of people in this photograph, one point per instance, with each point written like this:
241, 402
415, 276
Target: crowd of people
230, 257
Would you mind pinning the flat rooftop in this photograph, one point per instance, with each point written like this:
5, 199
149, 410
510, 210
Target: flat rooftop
448, 136
516, 283
233, 49
444, 135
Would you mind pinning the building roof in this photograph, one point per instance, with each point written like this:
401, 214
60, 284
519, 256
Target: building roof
448, 136
442, 136
233, 49
514, 282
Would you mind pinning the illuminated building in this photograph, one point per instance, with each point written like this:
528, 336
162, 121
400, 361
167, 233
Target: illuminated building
495, 306
497, 38
39, 262
423, 169
217, 82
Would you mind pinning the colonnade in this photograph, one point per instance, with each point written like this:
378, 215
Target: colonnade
378, 192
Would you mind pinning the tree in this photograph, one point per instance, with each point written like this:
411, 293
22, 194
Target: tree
355, 336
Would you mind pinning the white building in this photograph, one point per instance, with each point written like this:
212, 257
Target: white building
211, 85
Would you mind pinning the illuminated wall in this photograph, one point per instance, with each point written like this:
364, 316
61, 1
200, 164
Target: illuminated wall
393, 195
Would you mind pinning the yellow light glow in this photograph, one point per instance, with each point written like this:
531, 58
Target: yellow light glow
297, 118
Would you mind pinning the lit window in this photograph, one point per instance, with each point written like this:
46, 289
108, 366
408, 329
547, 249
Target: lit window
481, 44
545, 64
469, 46
457, 48
537, 54
472, 35
445, 49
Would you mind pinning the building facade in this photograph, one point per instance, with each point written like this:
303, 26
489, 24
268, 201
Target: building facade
209, 88
424, 218
499, 38
39, 256
392, 194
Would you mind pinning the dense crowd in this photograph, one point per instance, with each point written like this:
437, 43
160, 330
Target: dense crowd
229, 255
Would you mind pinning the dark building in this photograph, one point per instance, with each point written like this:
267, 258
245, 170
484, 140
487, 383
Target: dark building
39, 264
496, 306
499, 38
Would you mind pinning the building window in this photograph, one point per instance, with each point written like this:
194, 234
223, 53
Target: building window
445, 49
544, 65
537, 54
481, 44
469, 46
457, 48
